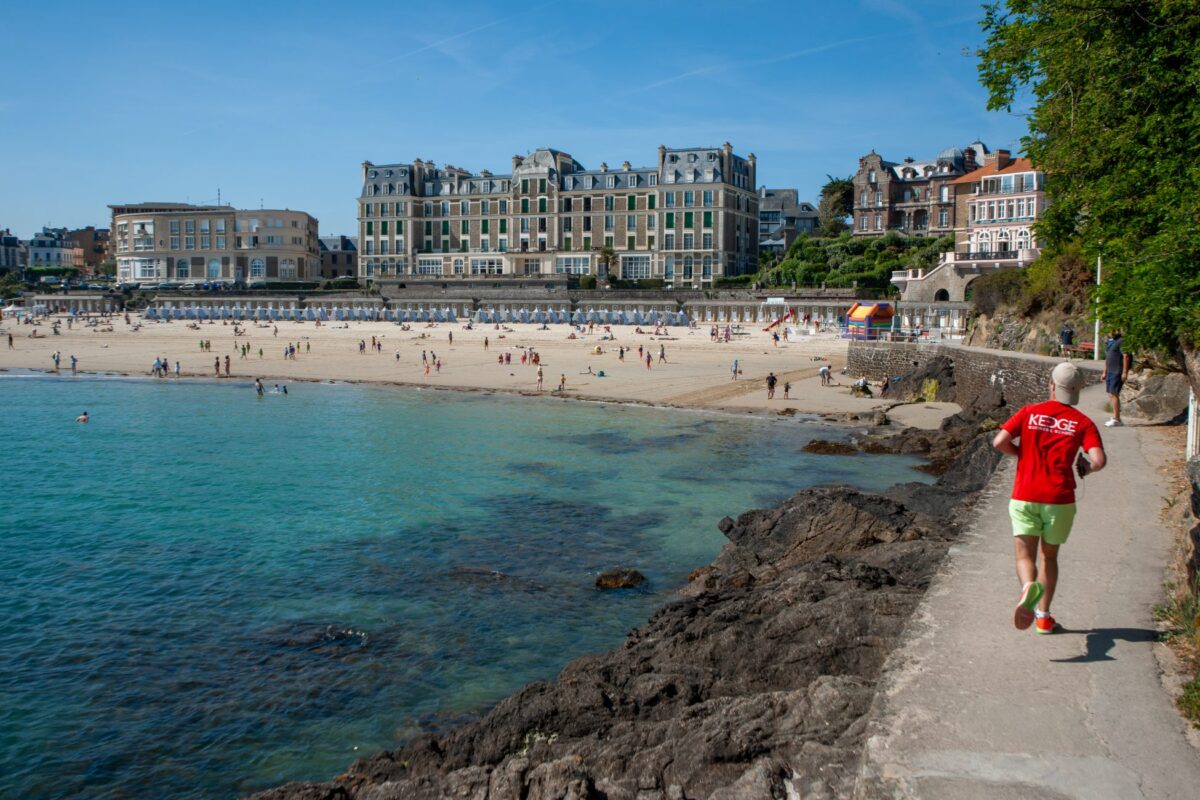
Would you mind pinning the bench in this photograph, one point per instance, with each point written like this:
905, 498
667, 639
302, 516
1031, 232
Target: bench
1081, 350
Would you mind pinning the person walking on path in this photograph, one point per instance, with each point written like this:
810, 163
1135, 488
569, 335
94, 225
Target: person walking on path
1116, 369
74, 364
662, 354
485, 343
1046, 439
771, 381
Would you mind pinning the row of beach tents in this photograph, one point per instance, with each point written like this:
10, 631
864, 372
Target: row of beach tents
487, 316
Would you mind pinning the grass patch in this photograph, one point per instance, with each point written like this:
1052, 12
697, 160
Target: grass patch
1189, 701
1181, 617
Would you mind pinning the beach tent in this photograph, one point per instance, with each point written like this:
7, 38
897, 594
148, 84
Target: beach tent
323, 314
450, 315
868, 320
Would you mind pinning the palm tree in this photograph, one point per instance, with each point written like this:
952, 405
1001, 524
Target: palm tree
607, 257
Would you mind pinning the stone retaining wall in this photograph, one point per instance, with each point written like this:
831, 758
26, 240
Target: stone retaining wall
1023, 377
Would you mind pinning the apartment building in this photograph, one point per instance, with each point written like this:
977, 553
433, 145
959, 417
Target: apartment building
339, 256
93, 242
12, 251
53, 247
179, 242
997, 206
689, 219
913, 197
782, 216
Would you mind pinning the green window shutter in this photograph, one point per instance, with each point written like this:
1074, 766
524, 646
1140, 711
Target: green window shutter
483, 226
541, 184
428, 228
631, 243
708, 219
524, 185
631, 203
504, 226
688, 219
524, 205
566, 243
383, 227
649, 242
670, 219
399, 227
651, 201
445, 245
608, 241
445, 227
466, 227
370, 228
541, 205
463, 246
587, 243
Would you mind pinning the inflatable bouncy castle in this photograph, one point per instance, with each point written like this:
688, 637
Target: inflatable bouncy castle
869, 320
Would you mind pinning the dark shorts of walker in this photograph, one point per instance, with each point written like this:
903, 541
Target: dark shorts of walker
1113, 384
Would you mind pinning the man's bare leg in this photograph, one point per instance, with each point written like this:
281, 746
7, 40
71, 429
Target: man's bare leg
1049, 574
1026, 549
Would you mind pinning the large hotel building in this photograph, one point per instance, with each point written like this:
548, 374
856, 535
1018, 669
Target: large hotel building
182, 243
691, 218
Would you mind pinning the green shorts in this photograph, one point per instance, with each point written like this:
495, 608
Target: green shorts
1052, 523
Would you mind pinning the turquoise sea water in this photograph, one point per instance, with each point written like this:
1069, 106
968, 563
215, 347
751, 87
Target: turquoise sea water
205, 593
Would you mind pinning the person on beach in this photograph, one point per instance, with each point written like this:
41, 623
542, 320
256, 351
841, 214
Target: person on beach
826, 375
1116, 369
57, 357
1046, 439
258, 387
217, 366
451, 337
787, 388
10, 342
562, 382
733, 369
662, 354
227, 372
539, 378
771, 381
83, 418
74, 363
176, 369
649, 359
485, 343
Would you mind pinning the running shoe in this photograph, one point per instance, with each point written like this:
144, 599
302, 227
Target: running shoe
1045, 624
1023, 615
1114, 423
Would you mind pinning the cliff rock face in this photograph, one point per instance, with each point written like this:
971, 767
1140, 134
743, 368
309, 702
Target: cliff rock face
754, 685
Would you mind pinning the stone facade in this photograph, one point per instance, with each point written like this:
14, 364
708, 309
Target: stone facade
913, 197
782, 216
177, 242
1024, 378
688, 220
339, 257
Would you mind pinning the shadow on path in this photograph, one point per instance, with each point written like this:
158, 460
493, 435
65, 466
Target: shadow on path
1101, 640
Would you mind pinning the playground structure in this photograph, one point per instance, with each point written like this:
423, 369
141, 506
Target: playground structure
869, 320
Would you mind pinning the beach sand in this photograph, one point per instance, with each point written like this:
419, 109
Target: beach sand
697, 373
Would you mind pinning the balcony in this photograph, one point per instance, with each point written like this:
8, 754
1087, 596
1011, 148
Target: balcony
990, 255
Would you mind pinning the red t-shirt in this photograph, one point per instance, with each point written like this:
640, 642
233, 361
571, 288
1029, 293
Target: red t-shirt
1050, 433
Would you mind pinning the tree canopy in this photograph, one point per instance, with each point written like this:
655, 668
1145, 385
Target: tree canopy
1115, 124
837, 198
846, 261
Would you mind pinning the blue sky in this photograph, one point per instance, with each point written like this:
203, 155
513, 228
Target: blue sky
279, 103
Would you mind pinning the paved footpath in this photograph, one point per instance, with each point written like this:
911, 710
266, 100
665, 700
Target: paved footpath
973, 708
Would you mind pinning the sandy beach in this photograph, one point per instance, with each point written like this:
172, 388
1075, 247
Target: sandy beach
697, 372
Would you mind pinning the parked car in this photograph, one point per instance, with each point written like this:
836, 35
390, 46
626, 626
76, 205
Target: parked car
189, 287
257, 285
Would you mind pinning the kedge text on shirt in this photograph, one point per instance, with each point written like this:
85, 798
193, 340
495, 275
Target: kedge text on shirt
1045, 422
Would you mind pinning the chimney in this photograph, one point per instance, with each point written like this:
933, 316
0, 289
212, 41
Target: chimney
909, 159
625, 166
603, 166
518, 161
1003, 158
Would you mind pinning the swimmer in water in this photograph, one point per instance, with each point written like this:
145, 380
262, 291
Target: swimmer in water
82, 417
258, 387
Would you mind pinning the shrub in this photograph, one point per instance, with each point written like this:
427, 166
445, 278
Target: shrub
1000, 288
587, 282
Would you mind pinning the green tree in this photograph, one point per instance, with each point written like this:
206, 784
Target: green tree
837, 199
1115, 123
607, 258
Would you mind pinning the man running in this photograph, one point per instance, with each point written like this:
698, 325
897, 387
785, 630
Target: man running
1042, 508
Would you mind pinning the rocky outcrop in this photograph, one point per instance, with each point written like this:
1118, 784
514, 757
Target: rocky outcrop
620, 578
1156, 398
755, 684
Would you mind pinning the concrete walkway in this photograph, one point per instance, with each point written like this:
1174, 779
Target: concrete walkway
973, 708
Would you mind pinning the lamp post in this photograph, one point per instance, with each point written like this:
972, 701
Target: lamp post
1096, 333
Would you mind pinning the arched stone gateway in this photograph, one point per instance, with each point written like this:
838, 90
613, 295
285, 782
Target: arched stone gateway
941, 296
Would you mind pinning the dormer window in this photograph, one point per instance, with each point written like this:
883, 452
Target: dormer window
672, 158
612, 181
871, 176
371, 174
692, 157
712, 156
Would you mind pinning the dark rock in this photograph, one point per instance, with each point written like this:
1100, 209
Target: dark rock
825, 447
620, 578
1158, 399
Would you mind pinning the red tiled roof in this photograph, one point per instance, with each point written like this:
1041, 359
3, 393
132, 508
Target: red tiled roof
1016, 165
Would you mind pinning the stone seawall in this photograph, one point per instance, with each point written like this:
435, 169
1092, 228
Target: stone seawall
1022, 377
